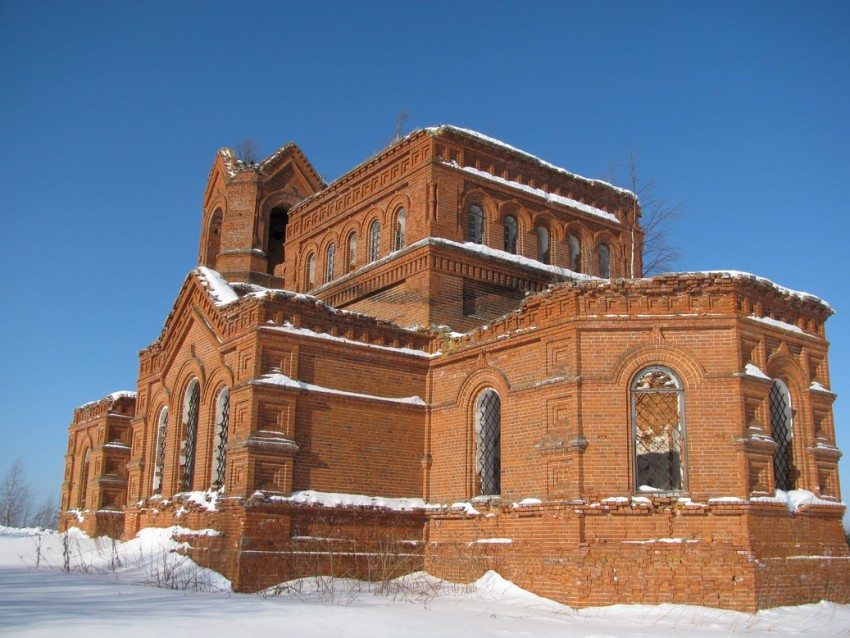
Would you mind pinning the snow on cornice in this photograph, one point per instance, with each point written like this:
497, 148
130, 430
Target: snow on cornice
507, 147
537, 192
776, 323
332, 499
114, 396
740, 274
220, 291
280, 379
289, 328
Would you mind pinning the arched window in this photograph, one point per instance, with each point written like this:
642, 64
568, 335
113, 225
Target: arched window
213, 238
604, 261
575, 253
511, 234
311, 271
476, 224
277, 239
330, 258
374, 240
658, 415
351, 262
84, 479
543, 244
488, 442
784, 471
159, 451
191, 404
400, 230
222, 423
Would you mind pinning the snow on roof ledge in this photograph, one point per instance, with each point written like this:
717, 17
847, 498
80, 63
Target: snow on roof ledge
114, 396
493, 141
740, 274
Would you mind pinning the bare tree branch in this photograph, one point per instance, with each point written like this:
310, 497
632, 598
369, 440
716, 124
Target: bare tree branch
248, 151
15, 496
657, 217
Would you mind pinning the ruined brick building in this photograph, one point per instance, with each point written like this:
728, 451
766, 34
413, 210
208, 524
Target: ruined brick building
450, 352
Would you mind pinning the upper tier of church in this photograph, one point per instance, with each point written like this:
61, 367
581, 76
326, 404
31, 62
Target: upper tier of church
444, 227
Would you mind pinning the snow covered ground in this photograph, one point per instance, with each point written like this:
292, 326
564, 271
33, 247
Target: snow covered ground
119, 590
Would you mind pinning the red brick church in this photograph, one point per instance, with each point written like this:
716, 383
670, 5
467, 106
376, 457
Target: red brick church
448, 357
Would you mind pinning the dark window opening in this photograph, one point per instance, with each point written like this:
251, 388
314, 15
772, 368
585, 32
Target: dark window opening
277, 239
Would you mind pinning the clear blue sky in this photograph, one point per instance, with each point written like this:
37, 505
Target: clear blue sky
112, 112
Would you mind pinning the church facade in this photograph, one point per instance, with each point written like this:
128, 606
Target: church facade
448, 359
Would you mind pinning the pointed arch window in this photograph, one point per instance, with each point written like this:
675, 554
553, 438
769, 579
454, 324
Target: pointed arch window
159, 451
543, 252
575, 253
781, 422
604, 261
330, 259
351, 262
476, 224
374, 240
488, 443
311, 271
511, 234
191, 406
222, 425
658, 420
400, 230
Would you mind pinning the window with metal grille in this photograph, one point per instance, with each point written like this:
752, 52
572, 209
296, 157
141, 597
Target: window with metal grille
400, 230
575, 253
658, 415
191, 404
511, 234
311, 270
604, 261
330, 259
374, 240
476, 224
784, 471
222, 423
488, 443
543, 244
84, 480
159, 452
352, 252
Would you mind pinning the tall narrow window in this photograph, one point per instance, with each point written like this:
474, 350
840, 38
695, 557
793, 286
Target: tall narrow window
400, 230
784, 471
476, 224
488, 442
277, 240
352, 252
159, 452
658, 430
311, 271
575, 254
511, 234
330, 258
604, 261
222, 423
191, 404
543, 244
84, 479
213, 238
374, 240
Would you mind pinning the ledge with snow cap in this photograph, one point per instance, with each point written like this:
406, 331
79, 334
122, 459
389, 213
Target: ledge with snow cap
711, 294
223, 306
123, 400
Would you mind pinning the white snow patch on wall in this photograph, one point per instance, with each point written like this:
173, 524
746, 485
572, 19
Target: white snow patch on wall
220, 291
333, 499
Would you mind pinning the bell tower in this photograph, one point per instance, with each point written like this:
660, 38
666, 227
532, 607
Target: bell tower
247, 211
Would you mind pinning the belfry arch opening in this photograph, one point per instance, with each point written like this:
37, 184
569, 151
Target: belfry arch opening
276, 240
